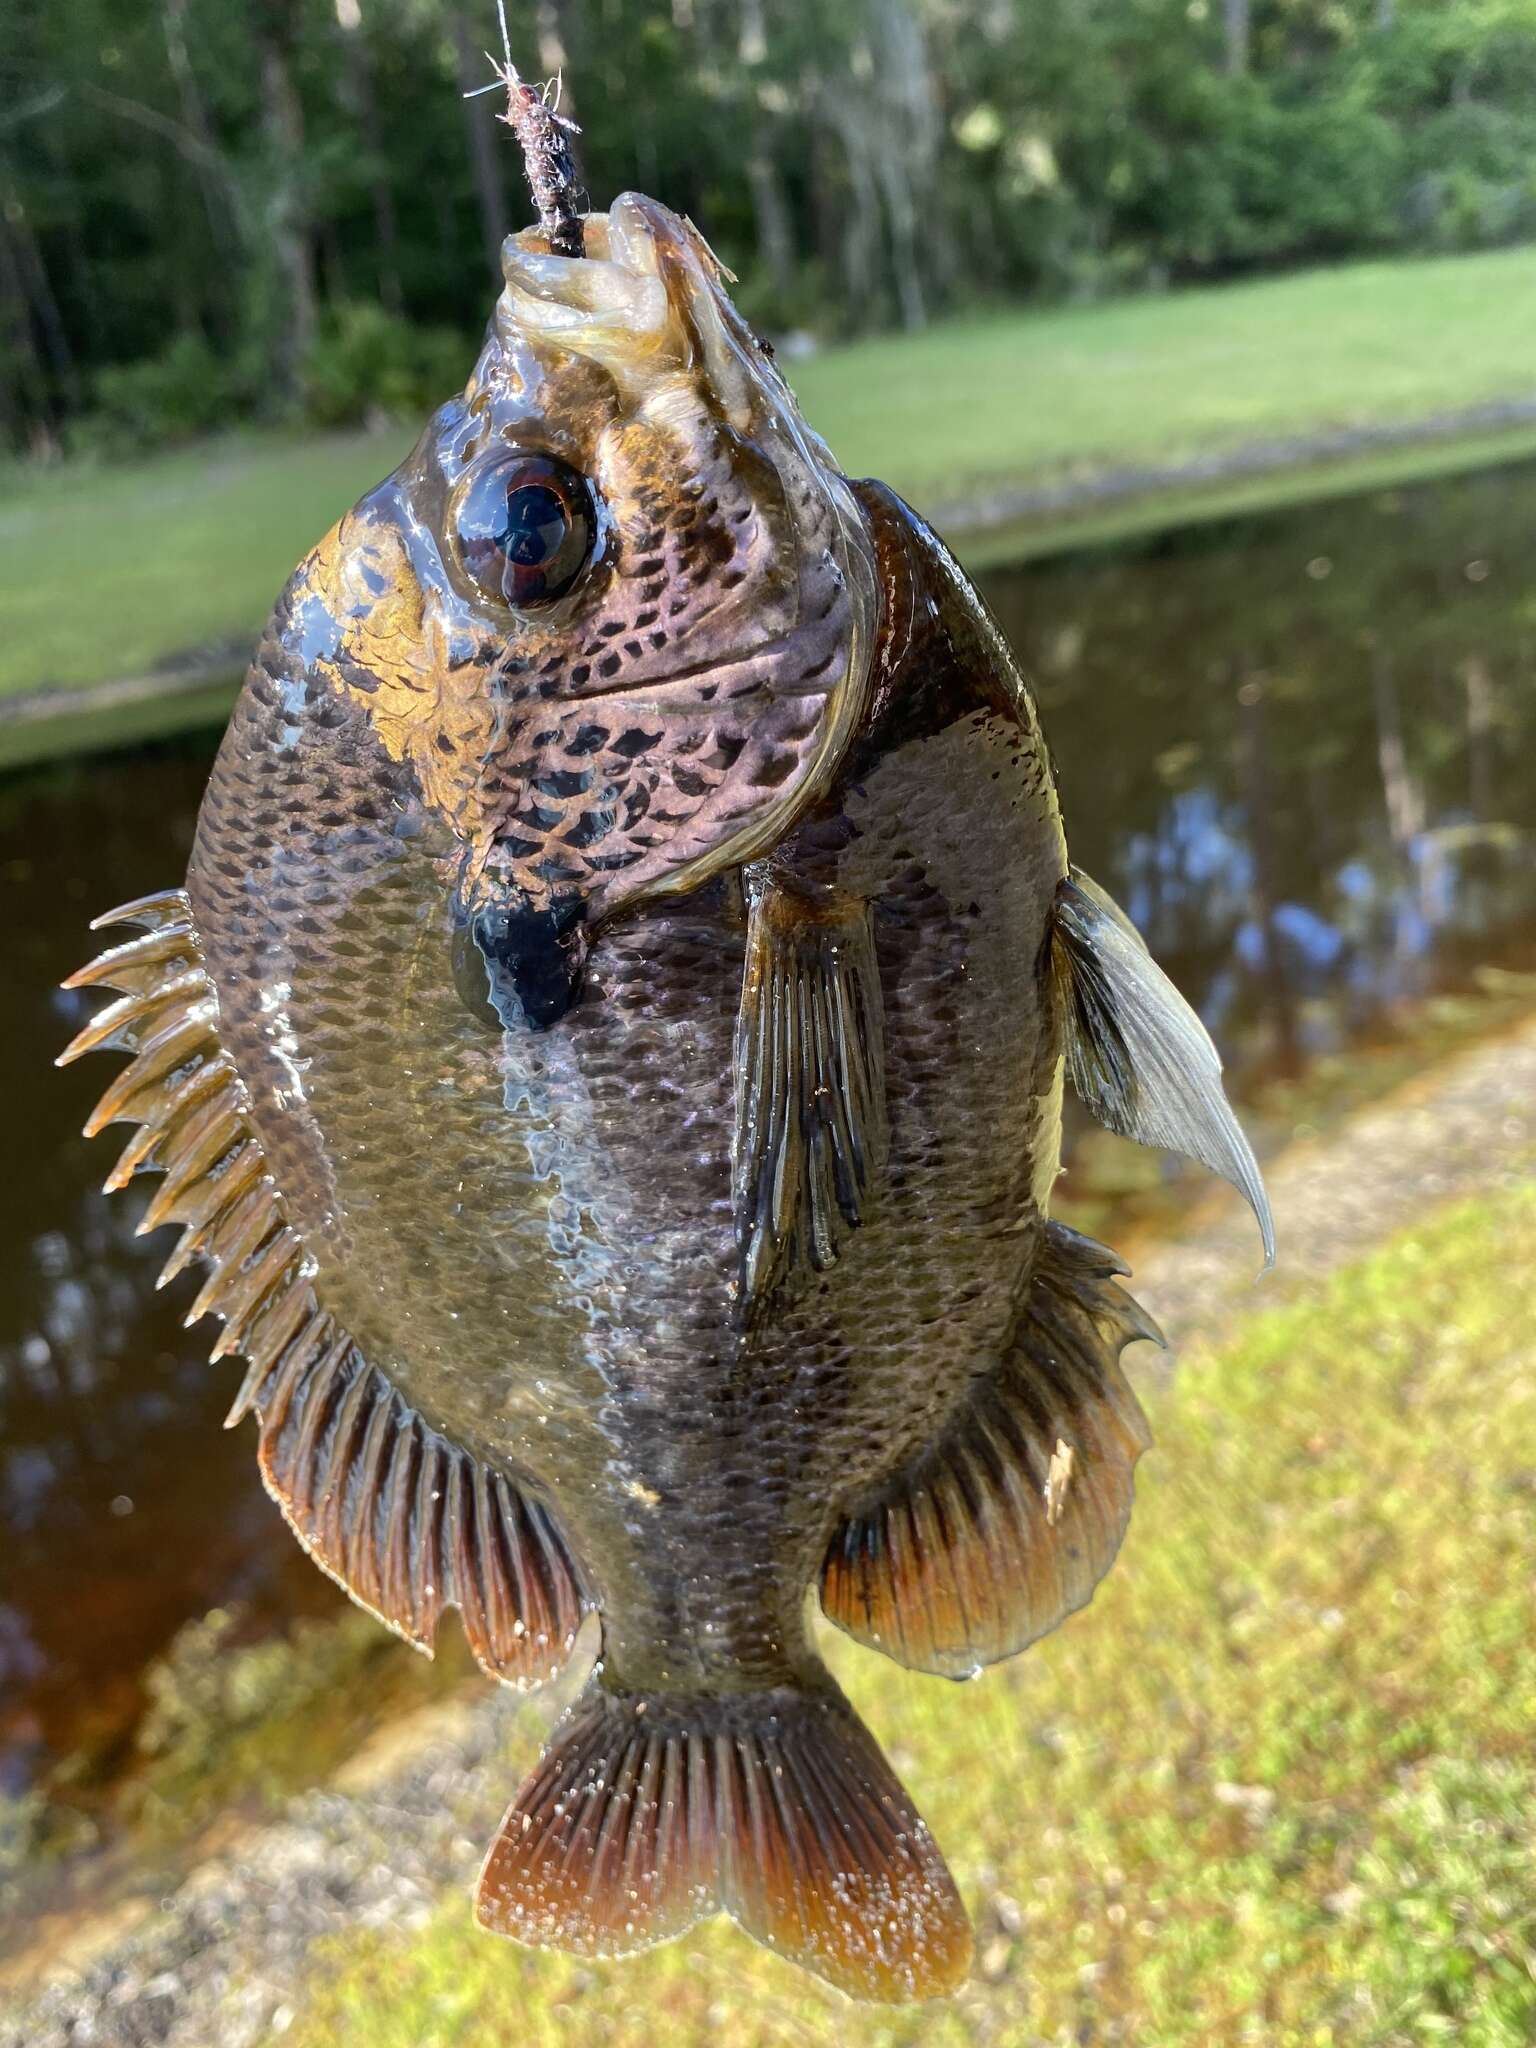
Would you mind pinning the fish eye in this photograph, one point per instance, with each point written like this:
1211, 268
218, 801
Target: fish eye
525, 526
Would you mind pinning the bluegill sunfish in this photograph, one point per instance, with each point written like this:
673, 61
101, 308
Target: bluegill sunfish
608, 1059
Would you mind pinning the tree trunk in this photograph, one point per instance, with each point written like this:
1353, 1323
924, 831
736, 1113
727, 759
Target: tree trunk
770, 213
1257, 803
896, 189
751, 33
1238, 25
1401, 795
23, 381
357, 75
1482, 720
223, 227
826, 162
38, 295
861, 228
480, 134
905, 133
288, 215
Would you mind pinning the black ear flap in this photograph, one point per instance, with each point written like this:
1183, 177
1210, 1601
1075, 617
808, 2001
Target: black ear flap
519, 969
1138, 1055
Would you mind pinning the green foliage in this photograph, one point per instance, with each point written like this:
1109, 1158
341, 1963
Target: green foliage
1273, 1786
369, 367
204, 538
258, 172
163, 400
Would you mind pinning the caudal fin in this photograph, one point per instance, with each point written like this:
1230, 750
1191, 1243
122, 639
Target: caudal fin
646, 1814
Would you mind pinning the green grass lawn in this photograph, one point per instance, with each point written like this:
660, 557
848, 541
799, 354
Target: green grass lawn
987, 403
1275, 1785
105, 571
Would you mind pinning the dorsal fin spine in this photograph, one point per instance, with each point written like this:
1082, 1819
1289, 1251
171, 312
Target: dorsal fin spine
244, 1169
228, 1242
142, 1149
274, 1268
123, 966
409, 1523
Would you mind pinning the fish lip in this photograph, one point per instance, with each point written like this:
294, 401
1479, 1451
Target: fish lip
626, 238
646, 303
612, 303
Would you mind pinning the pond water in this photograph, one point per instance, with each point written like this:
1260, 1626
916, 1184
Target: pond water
1300, 749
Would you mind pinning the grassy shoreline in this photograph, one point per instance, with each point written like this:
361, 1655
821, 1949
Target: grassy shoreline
1022, 432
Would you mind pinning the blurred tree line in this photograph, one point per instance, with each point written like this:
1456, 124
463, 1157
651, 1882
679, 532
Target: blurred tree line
217, 209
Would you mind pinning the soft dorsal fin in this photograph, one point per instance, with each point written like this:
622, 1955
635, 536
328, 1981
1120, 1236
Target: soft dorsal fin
408, 1522
1138, 1055
810, 1081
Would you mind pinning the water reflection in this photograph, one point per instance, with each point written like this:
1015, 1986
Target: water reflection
1299, 750
125, 1507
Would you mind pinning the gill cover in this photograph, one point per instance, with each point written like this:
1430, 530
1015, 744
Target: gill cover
691, 686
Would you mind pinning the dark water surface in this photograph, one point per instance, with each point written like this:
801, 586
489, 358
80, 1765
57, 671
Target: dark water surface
1301, 750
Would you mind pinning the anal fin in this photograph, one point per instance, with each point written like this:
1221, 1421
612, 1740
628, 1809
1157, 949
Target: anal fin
410, 1523
811, 1136
1002, 1528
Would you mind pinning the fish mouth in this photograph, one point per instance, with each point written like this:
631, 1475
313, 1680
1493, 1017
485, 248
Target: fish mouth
645, 300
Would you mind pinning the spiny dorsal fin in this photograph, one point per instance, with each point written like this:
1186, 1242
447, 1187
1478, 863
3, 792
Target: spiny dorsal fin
1139, 1057
646, 1813
406, 1521
1004, 1527
810, 1140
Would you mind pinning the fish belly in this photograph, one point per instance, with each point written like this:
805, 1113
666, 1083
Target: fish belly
532, 1234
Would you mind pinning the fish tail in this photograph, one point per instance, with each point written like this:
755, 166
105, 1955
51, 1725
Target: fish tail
647, 1813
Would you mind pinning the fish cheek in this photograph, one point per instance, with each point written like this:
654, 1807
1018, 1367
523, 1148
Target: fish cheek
707, 559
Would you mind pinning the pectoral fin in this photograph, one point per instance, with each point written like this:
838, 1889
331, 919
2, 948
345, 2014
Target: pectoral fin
1137, 1054
810, 1138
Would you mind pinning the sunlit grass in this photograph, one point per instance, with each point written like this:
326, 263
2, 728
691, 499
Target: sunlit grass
1150, 380
1275, 1785
106, 571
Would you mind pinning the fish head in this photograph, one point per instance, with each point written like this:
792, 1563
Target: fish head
616, 611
